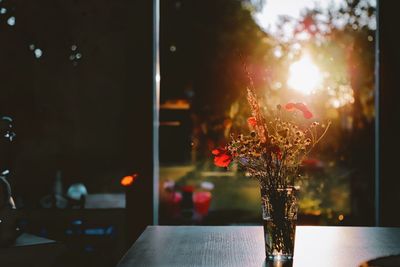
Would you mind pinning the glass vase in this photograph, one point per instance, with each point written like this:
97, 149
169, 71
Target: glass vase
279, 212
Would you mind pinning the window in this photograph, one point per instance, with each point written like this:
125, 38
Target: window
319, 53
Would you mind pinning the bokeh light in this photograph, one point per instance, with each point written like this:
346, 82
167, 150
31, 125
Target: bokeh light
128, 180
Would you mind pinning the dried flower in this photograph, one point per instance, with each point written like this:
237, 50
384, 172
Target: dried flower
275, 148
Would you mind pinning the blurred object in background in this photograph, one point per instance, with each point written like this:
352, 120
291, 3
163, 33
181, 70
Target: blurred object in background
129, 179
56, 199
105, 201
185, 204
170, 201
8, 217
77, 194
202, 202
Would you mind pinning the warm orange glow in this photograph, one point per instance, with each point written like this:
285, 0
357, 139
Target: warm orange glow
128, 180
304, 76
181, 104
341, 217
170, 123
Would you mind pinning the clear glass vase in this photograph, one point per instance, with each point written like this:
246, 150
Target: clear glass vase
279, 211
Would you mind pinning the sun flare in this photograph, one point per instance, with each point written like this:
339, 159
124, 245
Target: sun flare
304, 75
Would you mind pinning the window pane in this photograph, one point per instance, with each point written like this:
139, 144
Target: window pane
319, 53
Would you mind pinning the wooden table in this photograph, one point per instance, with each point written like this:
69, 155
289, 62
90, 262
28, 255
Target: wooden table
244, 246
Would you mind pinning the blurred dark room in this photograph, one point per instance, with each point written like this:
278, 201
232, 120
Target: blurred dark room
111, 112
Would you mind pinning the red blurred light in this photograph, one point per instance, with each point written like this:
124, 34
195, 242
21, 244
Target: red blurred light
187, 188
202, 201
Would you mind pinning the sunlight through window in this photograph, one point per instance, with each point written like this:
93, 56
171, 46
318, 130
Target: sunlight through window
304, 75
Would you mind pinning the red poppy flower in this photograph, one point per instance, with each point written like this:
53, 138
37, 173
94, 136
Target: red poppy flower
222, 157
290, 106
252, 121
299, 106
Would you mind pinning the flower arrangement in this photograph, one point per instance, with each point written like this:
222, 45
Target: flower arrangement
272, 153
274, 149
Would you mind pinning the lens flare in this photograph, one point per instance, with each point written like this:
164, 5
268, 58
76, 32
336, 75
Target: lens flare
304, 75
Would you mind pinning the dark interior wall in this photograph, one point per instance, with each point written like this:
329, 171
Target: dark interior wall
90, 118
389, 71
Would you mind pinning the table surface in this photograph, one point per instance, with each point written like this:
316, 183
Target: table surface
244, 246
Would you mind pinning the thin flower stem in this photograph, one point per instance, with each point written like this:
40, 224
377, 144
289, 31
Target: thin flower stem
323, 134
